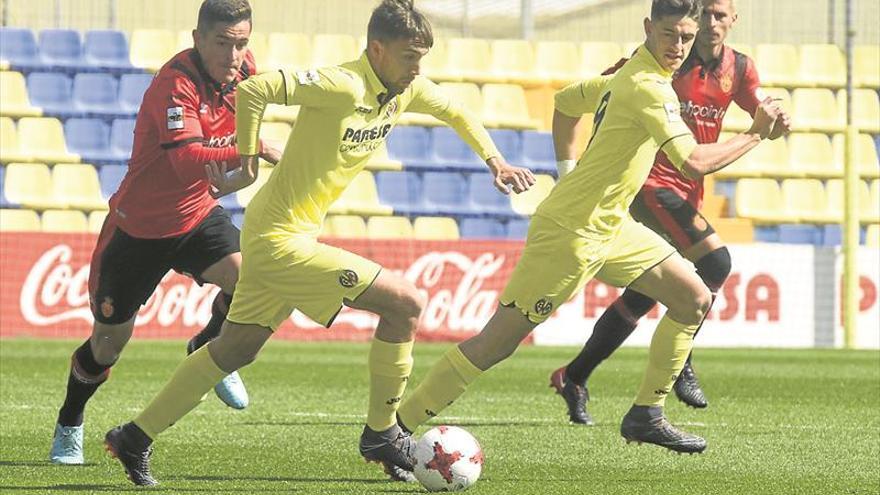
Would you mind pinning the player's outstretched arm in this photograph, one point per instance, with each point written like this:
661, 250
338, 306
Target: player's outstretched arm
507, 177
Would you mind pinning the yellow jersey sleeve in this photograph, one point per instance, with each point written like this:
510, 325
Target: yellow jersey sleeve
582, 97
429, 98
657, 107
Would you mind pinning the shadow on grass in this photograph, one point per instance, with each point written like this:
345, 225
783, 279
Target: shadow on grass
45, 464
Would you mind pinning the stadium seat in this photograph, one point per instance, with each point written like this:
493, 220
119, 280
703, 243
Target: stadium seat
482, 228
288, 51
811, 155
14, 100
433, 65
800, 234
822, 66
778, 64
77, 186
768, 159
345, 226
4, 202
333, 49
245, 195
107, 49
873, 236
409, 144
760, 200
804, 200
445, 193
513, 61
19, 47
389, 228
526, 203
64, 221
866, 155
53, 92
835, 193
43, 139
183, 40
874, 194
597, 56
19, 221
435, 229
816, 110
517, 228
485, 199
61, 49
509, 144
449, 151
258, 44
360, 198
10, 148
504, 105
30, 185
88, 138
467, 60
131, 91
110, 178
122, 139
152, 48
557, 62
538, 152
743, 48
866, 66
866, 109
402, 191
96, 221
736, 119
96, 94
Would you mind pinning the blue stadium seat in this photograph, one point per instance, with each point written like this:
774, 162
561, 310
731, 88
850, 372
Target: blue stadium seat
19, 47
538, 153
766, 233
4, 203
88, 138
110, 178
509, 144
517, 228
96, 94
409, 144
482, 228
122, 139
400, 190
449, 151
445, 193
131, 91
61, 49
831, 235
107, 49
52, 92
485, 200
800, 234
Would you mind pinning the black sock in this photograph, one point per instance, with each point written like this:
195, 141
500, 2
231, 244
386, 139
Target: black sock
613, 327
86, 375
218, 314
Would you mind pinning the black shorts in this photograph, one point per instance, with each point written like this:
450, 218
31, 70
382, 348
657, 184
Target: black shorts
671, 216
126, 270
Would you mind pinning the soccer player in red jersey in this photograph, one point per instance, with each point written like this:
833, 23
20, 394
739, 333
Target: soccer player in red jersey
713, 76
163, 217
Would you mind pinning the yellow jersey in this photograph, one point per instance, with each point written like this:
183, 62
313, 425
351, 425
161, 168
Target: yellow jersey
636, 113
345, 115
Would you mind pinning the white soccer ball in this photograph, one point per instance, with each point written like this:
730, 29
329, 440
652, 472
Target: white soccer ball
448, 459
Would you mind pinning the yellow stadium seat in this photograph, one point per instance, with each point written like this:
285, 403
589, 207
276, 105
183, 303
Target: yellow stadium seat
389, 228
598, 56
30, 185
736, 119
866, 109
64, 221
275, 132
513, 61
184, 40
19, 221
743, 48
778, 64
289, 51
780, 94
346, 226
259, 47
873, 236
804, 200
811, 155
874, 194
816, 110
152, 48
822, 66
96, 221
866, 66
768, 159
360, 198
77, 186
629, 48
468, 59
43, 139
333, 49
866, 155
526, 203
836, 192
760, 200
10, 150
557, 62
380, 161
14, 101
245, 195
433, 65
504, 105
435, 229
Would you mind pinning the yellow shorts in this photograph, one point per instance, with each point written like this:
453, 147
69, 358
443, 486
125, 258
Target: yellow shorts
556, 263
282, 272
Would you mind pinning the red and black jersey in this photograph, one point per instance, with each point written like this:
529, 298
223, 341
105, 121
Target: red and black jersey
185, 121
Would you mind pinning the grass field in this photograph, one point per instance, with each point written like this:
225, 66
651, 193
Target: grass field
779, 422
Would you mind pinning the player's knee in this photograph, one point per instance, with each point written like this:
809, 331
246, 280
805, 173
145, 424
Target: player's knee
411, 304
714, 268
692, 307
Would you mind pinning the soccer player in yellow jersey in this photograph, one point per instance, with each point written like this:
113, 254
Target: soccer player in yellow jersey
583, 230
346, 113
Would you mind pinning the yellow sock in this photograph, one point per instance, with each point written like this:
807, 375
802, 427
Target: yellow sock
191, 380
445, 382
670, 347
390, 366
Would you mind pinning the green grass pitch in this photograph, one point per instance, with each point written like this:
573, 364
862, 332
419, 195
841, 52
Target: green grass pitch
779, 422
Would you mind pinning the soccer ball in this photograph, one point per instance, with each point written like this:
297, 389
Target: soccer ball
448, 459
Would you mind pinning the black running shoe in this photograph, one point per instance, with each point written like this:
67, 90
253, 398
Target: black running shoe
687, 388
641, 426
136, 462
394, 448
575, 396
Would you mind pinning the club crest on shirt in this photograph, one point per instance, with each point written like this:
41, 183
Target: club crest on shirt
203, 109
310, 76
348, 279
175, 118
726, 83
391, 109
673, 111
543, 307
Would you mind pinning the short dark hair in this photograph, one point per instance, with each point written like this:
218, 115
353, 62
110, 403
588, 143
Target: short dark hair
225, 11
678, 8
396, 19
